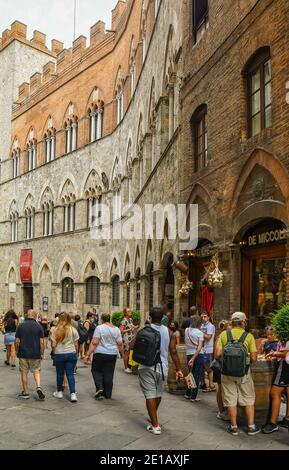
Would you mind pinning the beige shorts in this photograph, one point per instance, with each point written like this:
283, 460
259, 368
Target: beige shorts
151, 383
32, 365
236, 390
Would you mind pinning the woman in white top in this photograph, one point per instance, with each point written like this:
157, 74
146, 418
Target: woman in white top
194, 339
64, 342
105, 345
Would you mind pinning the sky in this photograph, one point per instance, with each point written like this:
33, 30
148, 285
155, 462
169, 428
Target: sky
55, 18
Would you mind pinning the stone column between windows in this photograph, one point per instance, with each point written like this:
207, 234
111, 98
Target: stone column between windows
74, 136
47, 150
99, 124
66, 218
92, 127
50, 221
68, 139
29, 159
34, 156
45, 223
52, 150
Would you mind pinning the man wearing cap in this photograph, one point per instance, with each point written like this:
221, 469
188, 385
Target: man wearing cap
239, 389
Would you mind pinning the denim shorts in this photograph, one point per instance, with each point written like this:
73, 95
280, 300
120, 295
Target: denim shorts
9, 339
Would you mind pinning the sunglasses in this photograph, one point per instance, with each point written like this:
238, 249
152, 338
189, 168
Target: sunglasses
269, 328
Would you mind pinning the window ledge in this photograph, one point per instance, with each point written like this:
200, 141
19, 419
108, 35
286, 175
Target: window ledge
252, 142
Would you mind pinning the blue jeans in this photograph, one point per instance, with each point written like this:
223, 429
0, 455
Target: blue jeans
197, 372
65, 363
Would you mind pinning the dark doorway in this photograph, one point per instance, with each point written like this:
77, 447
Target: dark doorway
27, 297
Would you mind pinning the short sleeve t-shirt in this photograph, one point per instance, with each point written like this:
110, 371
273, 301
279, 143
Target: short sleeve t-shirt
249, 342
108, 339
192, 338
30, 334
68, 347
10, 323
209, 329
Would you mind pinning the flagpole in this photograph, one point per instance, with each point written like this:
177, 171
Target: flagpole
74, 30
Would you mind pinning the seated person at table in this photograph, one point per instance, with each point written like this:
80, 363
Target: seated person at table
269, 343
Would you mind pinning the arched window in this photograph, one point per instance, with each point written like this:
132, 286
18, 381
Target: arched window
67, 291
94, 211
96, 123
71, 129
30, 223
115, 291
137, 290
119, 105
200, 137
92, 291
50, 145
259, 91
14, 226
151, 285
69, 217
32, 154
48, 219
127, 290
16, 163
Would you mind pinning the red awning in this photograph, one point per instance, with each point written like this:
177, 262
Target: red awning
26, 266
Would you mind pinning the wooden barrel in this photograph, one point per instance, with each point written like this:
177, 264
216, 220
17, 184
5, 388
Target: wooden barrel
262, 374
174, 386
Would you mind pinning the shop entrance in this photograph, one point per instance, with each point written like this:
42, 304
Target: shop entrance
27, 297
263, 274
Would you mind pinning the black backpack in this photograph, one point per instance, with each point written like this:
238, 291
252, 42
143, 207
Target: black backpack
235, 359
82, 332
147, 347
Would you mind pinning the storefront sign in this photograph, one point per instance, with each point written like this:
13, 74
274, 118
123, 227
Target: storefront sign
26, 266
265, 238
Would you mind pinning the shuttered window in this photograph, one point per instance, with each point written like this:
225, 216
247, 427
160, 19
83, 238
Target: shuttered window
115, 291
93, 291
67, 291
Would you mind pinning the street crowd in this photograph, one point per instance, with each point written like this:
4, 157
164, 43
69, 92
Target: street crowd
218, 359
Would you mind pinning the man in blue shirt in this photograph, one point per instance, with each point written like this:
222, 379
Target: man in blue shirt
29, 344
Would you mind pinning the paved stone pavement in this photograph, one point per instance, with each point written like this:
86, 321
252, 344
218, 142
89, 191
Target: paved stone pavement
117, 424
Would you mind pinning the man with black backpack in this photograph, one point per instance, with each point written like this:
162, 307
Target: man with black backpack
152, 346
237, 350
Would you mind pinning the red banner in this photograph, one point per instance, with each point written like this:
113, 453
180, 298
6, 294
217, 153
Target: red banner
26, 266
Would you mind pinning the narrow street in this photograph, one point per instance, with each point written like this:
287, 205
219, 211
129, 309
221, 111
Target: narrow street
118, 424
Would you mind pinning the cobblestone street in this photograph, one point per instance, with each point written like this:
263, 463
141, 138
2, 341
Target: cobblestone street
118, 424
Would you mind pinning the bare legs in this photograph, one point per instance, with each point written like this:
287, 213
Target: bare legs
24, 380
10, 354
152, 407
275, 396
250, 414
125, 358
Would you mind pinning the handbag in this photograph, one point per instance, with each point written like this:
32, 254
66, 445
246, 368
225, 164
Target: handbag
190, 380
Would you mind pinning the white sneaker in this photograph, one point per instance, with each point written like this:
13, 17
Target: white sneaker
73, 398
157, 431
223, 415
58, 394
128, 371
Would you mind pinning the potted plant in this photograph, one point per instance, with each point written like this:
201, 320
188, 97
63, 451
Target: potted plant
280, 323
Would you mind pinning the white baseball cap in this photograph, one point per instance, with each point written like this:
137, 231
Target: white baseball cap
239, 316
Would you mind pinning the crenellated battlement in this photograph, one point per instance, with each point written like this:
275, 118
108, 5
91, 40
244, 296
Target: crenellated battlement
18, 32
99, 38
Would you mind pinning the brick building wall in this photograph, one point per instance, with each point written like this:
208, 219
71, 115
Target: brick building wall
226, 188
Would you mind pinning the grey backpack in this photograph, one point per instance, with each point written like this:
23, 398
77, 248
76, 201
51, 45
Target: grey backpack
235, 359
